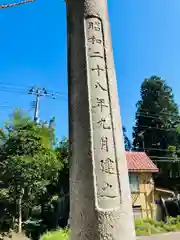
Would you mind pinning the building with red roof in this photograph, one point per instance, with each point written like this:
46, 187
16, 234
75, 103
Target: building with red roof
141, 170
140, 162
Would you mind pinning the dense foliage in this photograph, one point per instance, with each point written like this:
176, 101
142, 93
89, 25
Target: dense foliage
157, 121
30, 173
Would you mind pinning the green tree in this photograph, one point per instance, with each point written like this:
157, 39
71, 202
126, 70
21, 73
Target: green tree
55, 201
28, 162
157, 118
62, 151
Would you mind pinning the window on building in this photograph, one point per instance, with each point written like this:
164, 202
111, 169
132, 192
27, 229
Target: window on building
134, 182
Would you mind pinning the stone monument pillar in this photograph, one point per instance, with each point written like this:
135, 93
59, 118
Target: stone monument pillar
100, 200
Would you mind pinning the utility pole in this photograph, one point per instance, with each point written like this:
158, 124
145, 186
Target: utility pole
39, 92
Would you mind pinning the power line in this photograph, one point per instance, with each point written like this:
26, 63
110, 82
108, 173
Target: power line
163, 157
158, 117
15, 4
11, 85
20, 3
156, 128
23, 89
12, 91
166, 160
157, 149
24, 92
147, 111
58, 97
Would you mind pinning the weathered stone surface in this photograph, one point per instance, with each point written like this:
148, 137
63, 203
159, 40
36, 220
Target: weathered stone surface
100, 202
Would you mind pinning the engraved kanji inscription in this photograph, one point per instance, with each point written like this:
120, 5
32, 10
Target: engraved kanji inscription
102, 122
94, 40
104, 156
108, 191
95, 26
108, 166
99, 85
96, 55
106, 186
104, 144
98, 69
101, 104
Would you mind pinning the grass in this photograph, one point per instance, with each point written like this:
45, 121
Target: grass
149, 226
57, 235
143, 227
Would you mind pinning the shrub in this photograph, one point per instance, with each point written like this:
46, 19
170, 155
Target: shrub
138, 222
178, 219
171, 220
150, 226
178, 226
150, 221
143, 228
157, 224
140, 232
170, 228
147, 229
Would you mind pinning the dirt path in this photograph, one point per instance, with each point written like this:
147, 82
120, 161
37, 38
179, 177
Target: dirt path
16, 237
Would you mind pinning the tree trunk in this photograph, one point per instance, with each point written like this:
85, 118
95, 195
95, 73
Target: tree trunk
20, 211
13, 222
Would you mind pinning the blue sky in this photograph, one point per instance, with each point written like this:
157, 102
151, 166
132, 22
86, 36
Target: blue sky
146, 41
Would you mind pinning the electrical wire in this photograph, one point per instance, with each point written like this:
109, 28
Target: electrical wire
15, 4
20, 88
21, 92
156, 128
169, 157
166, 160
160, 112
157, 149
158, 117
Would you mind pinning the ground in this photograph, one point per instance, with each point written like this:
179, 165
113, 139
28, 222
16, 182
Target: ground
168, 236
16, 237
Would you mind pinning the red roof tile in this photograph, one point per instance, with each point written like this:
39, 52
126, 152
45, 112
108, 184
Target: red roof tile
140, 162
